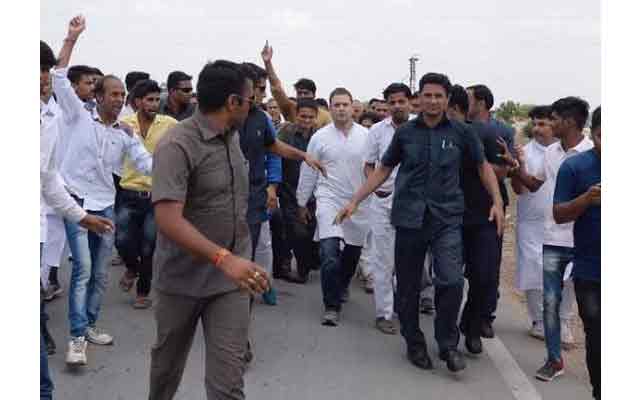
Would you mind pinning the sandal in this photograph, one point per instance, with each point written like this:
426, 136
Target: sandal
126, 282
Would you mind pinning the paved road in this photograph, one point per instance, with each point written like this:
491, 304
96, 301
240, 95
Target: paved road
297, 358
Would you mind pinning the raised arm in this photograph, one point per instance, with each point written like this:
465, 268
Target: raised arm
287, 107
76, 26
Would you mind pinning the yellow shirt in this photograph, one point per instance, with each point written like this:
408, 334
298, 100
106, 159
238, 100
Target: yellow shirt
324, 118
132, 179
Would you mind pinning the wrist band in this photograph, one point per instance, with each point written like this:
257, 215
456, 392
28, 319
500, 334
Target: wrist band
220, 256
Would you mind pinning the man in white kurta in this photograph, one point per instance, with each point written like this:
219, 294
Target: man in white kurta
339, 146
530, 227
397, 95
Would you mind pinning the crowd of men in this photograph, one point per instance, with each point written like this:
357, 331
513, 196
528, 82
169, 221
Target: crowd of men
217, 193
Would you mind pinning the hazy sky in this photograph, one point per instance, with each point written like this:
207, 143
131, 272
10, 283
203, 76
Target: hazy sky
531, 51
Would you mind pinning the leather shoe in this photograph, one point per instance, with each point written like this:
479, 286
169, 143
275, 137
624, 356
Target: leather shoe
455, 360
420, 358
473, 344
486, 330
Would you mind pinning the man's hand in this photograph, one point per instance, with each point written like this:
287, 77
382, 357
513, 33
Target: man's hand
246, 274
304, 216
345, 213
76, 27
267, 53
506, 154
519, 154
272, 198
594, 194
97, 224
497, 214
315, 164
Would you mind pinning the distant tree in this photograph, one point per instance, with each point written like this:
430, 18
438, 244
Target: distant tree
509, 111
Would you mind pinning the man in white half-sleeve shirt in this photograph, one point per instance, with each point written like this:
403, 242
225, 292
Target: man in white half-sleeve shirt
397, 95
95, 149
340, 148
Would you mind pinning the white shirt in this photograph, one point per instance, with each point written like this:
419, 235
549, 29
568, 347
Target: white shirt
343, 158
94, 150
557, 234
378, 141
531, 205
52, 191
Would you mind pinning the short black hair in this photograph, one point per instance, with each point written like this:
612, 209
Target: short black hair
144, 87
134, 77
76, 72
96, 71
370, 115
374, 100
482, 93
47, 59
100, 83
435, 78
540, 112
306, 84
306, 103
217, 81
458, 97
175, 77
572, 108
396, 88
595, 119
322, 103
340, 91
254, 71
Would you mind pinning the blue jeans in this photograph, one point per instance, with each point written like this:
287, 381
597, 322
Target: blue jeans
337, 267
46, 385
554, 262
91, 254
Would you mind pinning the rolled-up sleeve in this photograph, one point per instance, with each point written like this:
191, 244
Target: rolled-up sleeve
308, 176
140, 158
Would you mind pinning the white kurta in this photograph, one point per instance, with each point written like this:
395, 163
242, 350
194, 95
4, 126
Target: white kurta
343, 157
530, 223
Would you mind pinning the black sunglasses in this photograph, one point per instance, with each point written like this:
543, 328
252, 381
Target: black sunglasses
186, 90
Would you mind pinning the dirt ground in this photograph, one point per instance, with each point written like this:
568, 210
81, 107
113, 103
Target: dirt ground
575, 358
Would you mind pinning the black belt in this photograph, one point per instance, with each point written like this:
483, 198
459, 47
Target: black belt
137, 194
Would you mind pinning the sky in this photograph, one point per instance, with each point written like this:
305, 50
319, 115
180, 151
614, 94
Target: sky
531, 52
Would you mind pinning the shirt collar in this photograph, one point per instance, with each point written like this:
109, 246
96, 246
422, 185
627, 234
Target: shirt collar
419, 121
97, 118
207, 130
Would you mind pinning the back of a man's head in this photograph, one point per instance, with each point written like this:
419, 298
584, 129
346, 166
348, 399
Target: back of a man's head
134, 77
216, 82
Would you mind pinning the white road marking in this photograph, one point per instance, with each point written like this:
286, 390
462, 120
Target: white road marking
514, 377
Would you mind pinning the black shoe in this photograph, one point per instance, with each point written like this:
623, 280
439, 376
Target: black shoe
426, 306
486, 330
420, 358
49, 344
473, 344
455, 360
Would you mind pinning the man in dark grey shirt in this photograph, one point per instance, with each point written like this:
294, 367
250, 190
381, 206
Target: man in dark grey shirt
201, 264
427, 212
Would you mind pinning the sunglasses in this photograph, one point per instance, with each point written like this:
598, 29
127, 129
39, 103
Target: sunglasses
186, 90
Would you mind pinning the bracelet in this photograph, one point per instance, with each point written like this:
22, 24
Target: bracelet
220, 255
70, 40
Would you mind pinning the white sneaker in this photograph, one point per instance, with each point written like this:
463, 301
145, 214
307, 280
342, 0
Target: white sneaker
77, 352
95, 336
537, 330
566, 336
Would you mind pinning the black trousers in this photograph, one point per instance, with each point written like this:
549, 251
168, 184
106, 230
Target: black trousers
280, 243
588, 298
482, 250
306, 251
445, 243
136, 237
